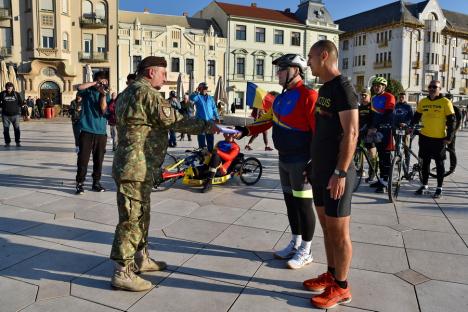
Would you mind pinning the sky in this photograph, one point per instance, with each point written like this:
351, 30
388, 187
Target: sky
337, 8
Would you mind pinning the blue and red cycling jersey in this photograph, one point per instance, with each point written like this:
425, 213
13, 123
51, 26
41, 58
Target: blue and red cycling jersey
293, 121
382, 108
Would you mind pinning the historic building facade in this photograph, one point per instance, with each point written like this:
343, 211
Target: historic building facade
413, 43
256, 36
191, 46
49, 42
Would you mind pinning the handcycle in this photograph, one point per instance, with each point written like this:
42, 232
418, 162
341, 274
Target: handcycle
249, 170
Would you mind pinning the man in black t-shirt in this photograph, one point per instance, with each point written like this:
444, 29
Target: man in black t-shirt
11, 103
332, 172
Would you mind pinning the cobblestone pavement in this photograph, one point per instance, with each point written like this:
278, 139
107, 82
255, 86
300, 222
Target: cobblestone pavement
411, 256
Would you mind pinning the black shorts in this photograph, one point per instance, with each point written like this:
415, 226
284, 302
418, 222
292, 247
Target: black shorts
431, 148
335, 208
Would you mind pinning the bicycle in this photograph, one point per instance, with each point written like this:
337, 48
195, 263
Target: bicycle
401, 161
249, 170
360, 154
452, 159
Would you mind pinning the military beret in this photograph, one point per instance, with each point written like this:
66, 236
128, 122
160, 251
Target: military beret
151, 61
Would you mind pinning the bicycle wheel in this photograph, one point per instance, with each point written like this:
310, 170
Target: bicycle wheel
160, 184
359, 164
451, 160
251, 171
394, 179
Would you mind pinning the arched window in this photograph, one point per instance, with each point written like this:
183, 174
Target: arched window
433, 16
66, 42
65, 6
101, 10
87, 8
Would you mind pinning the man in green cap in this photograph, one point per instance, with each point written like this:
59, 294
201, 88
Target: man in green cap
143, 120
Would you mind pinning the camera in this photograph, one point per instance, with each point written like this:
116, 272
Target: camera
104, 86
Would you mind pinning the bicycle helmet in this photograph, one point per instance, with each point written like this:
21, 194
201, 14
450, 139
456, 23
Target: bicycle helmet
292, 60
379, 80
224, 146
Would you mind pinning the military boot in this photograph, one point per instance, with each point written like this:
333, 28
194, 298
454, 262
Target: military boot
125, 278
145, 264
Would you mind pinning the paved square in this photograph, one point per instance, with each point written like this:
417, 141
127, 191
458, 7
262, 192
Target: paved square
55, 246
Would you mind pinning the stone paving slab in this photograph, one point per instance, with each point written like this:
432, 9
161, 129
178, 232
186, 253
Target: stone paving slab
69, 304
435, 296
264, 220
381, 292
14, 219
175, 207
257, 240
181, 292
16, 295
16, 248
195, 230
435, 241
172, 250
223, 264
426, 223
257, 300
375, 234
439, 266
217, 213
101, 213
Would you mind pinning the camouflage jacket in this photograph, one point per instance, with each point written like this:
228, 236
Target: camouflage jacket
143, 119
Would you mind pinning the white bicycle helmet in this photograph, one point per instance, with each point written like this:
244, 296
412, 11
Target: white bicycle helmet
292, 60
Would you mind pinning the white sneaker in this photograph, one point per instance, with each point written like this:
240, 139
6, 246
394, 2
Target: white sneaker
286, 253
300, 259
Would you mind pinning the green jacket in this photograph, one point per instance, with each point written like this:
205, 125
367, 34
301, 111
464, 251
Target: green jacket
143, 120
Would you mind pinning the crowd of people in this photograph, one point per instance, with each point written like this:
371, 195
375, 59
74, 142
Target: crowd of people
315, 134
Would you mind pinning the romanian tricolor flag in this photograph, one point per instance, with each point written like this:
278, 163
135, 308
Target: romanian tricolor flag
258, 98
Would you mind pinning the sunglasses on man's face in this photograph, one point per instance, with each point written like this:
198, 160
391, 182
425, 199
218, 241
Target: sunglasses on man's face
433, 87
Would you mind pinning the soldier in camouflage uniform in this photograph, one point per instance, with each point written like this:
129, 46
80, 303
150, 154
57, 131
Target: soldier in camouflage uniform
143, 120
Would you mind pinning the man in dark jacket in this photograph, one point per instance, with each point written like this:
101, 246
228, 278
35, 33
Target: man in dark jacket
11, 102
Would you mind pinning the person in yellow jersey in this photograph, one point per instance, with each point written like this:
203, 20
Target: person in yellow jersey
438, 120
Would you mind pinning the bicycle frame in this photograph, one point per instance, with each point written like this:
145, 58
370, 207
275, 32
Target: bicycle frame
366, 155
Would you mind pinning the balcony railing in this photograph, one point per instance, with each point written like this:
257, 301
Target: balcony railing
464, 71
5, 51
5, 13
443, 67
383, 44
463, 90
416, 64
93, 22
93, 57
385, 64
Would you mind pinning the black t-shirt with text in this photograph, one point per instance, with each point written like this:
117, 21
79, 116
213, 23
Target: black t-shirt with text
335, 96
11, 103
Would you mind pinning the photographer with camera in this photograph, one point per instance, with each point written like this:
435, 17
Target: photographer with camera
93, 135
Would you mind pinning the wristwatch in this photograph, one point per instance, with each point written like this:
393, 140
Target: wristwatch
340, 173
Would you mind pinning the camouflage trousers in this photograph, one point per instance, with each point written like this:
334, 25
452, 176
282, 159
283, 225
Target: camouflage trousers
131, 233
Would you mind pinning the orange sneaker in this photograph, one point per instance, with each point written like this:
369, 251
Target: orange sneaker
319, 283
331, 297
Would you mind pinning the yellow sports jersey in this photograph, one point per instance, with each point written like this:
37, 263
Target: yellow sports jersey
434, 116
